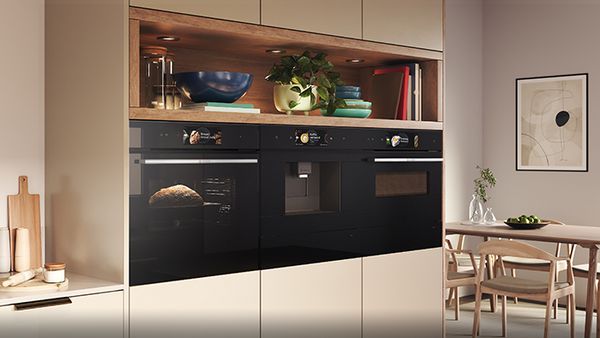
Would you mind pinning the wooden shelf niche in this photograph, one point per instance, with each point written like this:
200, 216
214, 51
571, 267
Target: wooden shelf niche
218, 45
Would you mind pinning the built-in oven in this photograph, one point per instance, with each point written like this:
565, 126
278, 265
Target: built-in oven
194, 206
334, 193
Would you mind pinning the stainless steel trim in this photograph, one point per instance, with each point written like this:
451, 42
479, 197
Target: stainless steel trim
202, 161
396, 160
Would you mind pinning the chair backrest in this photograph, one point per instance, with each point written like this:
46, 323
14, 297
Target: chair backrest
513, 248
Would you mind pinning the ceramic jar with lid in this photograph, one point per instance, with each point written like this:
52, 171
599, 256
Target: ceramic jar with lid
54, 272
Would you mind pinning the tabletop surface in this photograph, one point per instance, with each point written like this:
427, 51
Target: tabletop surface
577, 234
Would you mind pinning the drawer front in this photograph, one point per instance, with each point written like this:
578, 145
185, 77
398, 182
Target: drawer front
225, 306
91, 316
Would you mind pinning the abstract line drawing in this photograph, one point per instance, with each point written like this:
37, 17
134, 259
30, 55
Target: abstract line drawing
552, 123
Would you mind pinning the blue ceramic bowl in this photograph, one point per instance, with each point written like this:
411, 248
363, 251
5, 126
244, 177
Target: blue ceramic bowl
213, 86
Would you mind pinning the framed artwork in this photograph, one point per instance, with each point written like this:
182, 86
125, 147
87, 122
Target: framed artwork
552, 126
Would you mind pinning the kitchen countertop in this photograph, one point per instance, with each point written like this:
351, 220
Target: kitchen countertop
78, 286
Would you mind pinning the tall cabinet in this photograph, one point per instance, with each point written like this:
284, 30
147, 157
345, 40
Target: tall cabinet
92, 91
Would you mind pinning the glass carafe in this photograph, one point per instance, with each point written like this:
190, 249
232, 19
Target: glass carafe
489, 217
475, 210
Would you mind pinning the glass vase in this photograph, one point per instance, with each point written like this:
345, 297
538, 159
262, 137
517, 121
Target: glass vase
489, 217
475, 210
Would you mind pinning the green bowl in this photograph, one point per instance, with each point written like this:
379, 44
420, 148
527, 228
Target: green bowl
348, 112
350, 103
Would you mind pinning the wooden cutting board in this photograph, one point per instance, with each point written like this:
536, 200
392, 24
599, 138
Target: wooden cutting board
36, 284
24, 212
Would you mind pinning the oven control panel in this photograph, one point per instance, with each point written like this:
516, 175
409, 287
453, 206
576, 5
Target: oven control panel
202, 135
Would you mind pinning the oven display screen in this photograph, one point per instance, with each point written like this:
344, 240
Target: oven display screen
202, 136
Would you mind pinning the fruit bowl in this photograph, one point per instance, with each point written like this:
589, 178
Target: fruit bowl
527, 226
213, 86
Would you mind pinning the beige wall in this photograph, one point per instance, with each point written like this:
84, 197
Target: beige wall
22, 98
531, 38
463, 96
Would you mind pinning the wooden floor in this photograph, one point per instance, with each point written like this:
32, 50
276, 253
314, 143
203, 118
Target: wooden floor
525, 320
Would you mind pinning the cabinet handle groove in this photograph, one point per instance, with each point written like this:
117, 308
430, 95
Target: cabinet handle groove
42, 303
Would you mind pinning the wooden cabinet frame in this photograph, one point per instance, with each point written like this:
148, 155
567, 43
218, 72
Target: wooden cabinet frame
212, 44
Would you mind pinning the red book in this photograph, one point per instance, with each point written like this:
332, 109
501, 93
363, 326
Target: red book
401, 113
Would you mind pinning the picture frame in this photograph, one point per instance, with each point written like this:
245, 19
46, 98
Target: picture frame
552, 123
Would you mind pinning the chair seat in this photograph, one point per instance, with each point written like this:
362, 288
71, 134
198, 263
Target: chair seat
560, 265
452, 275
586, 268
520, 285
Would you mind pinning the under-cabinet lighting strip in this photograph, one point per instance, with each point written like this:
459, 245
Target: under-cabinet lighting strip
202, 161
393, 160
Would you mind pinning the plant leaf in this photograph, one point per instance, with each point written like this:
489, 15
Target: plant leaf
323, 93
296, 89
306, 92
292, 104
296, 79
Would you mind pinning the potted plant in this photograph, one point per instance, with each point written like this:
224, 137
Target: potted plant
305, 82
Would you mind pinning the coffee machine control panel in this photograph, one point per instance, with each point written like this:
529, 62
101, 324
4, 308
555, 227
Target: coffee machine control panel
311, 137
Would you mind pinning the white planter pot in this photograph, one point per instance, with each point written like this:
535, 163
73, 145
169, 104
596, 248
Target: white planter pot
283, 95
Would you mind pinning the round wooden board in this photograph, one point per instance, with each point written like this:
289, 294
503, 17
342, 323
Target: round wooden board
36, 284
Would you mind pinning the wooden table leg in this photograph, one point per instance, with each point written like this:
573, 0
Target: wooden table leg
489, 263
589, 302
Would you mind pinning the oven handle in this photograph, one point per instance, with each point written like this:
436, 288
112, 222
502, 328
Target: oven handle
202, 161
405, 159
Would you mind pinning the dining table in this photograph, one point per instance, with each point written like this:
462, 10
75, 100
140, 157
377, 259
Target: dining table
584, 236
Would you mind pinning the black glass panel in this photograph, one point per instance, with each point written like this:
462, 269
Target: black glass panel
192, 220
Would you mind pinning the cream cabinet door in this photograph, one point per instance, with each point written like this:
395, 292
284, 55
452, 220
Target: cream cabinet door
92, 316
314, 300
236, 10
334, 17
415, 23
402, 295
224, 306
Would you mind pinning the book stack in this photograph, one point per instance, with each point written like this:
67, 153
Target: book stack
396, 92
221, 107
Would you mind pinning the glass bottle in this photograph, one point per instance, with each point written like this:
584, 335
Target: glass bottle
153, 68
172, 96
475, 210
489, 217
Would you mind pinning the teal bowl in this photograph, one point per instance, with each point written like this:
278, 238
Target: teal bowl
348, 112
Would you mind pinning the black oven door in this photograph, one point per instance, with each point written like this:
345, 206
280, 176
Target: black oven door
312, 205
192, 215
405, 195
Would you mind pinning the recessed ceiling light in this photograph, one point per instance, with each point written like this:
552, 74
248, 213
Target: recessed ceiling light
275, 51
168, 38
355, 60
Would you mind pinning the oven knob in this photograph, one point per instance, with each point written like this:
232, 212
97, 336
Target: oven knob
395, 141
304, 138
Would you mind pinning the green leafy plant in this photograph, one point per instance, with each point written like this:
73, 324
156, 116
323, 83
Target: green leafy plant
307, 70
485, 181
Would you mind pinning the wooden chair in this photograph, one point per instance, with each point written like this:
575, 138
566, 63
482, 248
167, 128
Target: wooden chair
509, 286
459, 262
582, 270
532, 264
454, 278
